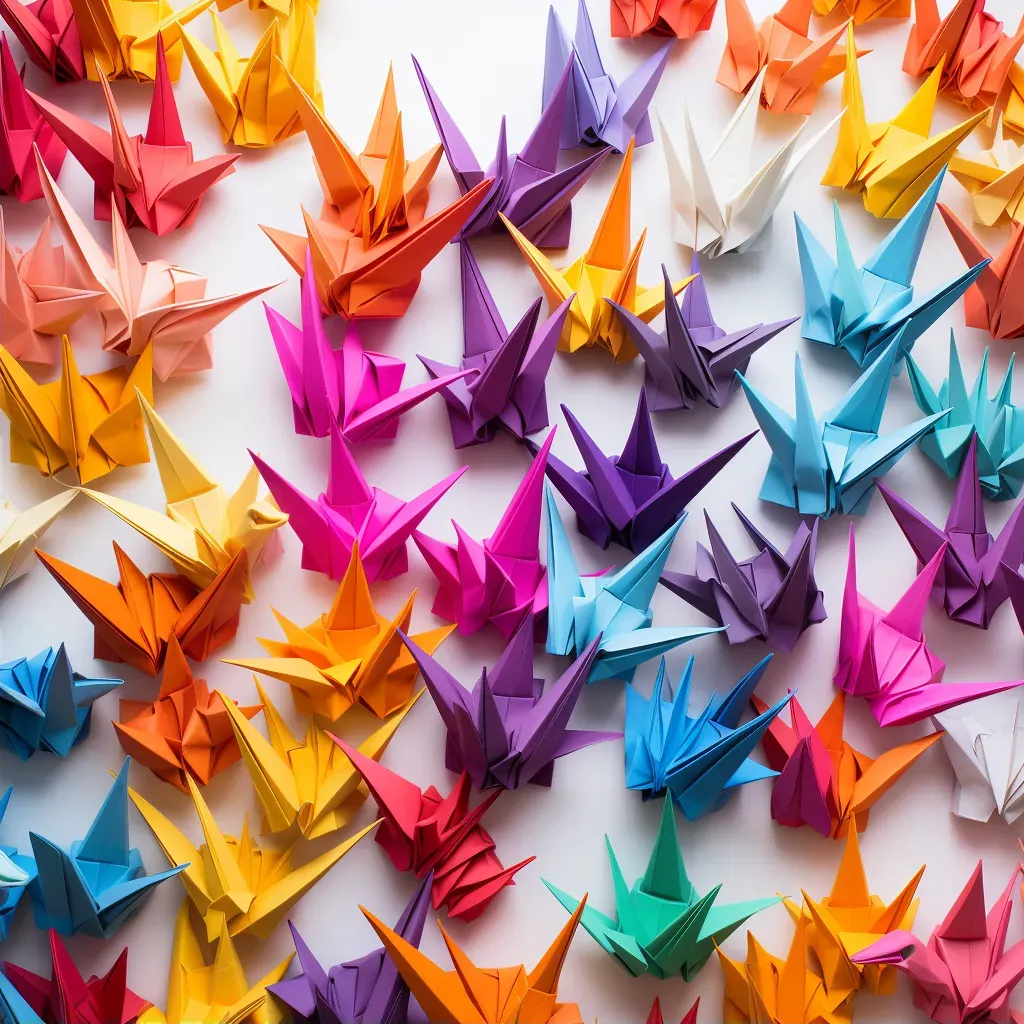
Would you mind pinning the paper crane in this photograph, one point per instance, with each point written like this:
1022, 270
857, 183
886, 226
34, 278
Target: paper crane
892, 163
507, 732
350, 655
828, 465
1013, 113
48, 31
527, 186
680, 18
282, 7
883, 656
994, 178
863, 11
423, 832
607, 270
16, 871
823, 781
656, 1016
771, 596
21, 531
631, 498
696, 762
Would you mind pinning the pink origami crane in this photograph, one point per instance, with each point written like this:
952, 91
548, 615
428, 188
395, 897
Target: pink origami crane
351, 510
49, 33
153, 179
884, 658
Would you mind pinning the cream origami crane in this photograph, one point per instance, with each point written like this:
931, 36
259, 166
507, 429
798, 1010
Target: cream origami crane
607, 270
252, 96
20, 532
994, 178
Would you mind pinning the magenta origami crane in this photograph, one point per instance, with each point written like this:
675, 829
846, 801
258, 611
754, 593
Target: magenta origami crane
357, 391
500, 580
964, 974
979, 571
884, 658
507, 391
351, 510
49, 33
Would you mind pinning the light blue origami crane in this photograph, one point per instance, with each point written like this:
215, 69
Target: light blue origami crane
101, 882
861, 309
46, 706
16, 871
828, 465
996, 421
615, 608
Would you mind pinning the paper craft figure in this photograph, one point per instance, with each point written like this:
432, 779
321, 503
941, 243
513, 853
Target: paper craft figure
698, 761
680, 18
771, 596
826, 465
883, 656
423, 831
607, 270
994, 178
16, 871
823, 781
661, 925
657, 1017
863, 11
21, 531
350, 655
1013, 108
48, 31
281, 7
368, 990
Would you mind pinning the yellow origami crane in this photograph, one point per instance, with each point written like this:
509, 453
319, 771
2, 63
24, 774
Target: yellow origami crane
892, 162
350, 655
282, 7
312, 783
253, 97
995, 179
20, 531
606, 271
204, 528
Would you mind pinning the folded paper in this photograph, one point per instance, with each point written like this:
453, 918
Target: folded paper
16, 871
680, 18
863, 11
21, 531
48, 31
994, 178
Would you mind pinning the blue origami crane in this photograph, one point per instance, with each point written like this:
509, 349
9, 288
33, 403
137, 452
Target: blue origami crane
828, 465
861, 309
699, 760
614, 609
101, 883
16, 871
46, 706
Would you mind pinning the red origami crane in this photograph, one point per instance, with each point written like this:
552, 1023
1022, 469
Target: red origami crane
423, 831
680, 18
48, 31
657, 1017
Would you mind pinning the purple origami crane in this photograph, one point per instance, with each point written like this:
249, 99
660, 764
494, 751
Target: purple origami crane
501, 579
694, 360
631, 498
506, 391
350, 510
508, 732
528, 188
771, 596
979, 571
365, 991
349, 387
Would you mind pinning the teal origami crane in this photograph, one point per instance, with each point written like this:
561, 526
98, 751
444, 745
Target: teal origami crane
615, 608
701, 761
16, 871
662, 926
996, 422
863, 308
829, 465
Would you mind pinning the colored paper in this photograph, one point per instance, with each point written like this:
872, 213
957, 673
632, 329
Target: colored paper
863, 11
282, 7
48, 31
994, 178
21, 531
680, 18
657, 1017
16, 871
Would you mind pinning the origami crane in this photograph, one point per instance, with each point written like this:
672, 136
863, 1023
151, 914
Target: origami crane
680, 18
21, 531
368, 990
607, 270
771, 596
963, 974
883, 656
698, 762
350, 655
100, 883
863, 11
657, 1017
233, 884
16, 871
527, 186
282, 7
830, 464
424, 832
994, 178
48, 31
893, 162
823, 781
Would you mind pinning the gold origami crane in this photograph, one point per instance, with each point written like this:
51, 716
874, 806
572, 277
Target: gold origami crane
863, 11
606, 271
995, 179
20, 531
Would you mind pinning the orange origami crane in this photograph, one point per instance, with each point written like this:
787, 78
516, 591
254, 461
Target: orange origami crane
680, 18
863, 11
606, 271
350, 655
372, 240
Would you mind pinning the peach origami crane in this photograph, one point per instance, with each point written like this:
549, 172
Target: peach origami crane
863, 11
350, 655
135, 620
21, 531
680, 18
49, 33
607, 270
994, 178
479, 995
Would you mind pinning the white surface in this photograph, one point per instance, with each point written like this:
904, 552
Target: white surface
485, 59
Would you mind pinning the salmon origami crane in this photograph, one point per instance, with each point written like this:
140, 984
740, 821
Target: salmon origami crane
424, 832
680, 18
606, 271
994, 178
21, 531
349, 655
48, 31
863, 11
373, 238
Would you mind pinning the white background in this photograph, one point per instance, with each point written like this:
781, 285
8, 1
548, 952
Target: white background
485, 58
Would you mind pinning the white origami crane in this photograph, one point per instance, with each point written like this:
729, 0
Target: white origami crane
718, 205
20, 531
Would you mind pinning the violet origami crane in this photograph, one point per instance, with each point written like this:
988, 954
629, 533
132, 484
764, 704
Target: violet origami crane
771, 596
